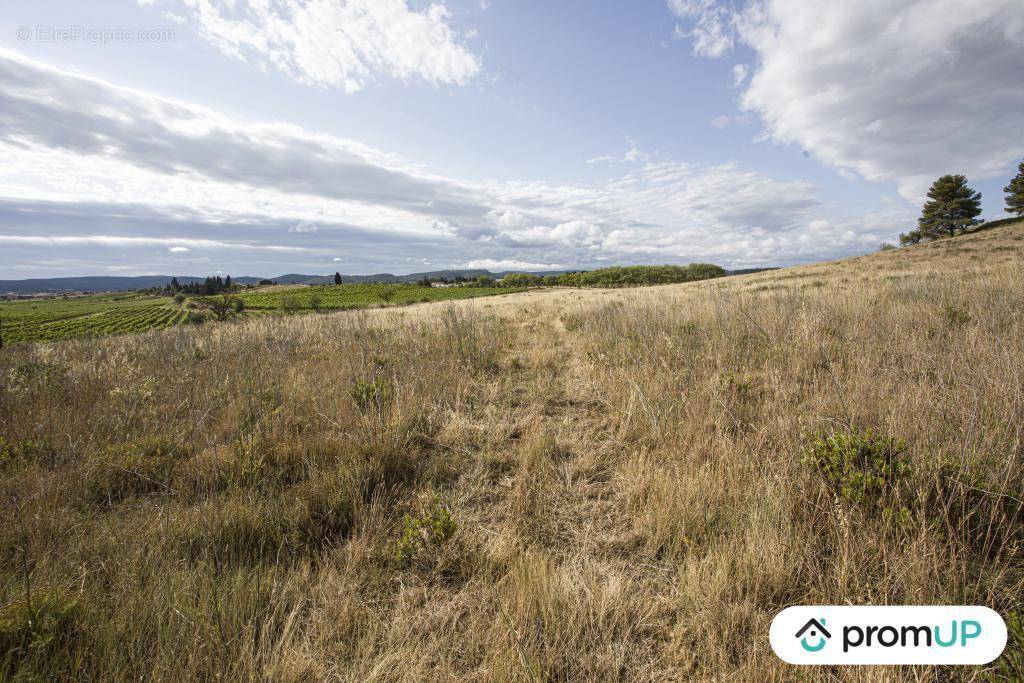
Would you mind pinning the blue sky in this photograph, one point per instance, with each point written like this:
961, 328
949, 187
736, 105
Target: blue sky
271, 136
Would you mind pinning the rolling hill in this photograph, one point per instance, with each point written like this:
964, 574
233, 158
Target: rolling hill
560, 484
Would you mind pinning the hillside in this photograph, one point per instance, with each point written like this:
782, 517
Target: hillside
584, 484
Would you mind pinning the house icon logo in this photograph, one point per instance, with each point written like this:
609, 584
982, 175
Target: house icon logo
817, 633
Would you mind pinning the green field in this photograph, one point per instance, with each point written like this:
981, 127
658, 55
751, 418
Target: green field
129, 313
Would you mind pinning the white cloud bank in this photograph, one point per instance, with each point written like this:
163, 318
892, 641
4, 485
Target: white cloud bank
896, 90
332, 43
103, 176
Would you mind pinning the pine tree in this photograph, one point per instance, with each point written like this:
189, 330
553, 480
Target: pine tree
1015, 193
337, 278
908, 238
952, 207
227, 283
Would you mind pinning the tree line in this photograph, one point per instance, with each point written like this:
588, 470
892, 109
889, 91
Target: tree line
619, 276
208, 287
953, 207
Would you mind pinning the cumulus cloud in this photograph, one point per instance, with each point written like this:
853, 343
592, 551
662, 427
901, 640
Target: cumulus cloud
509, 264
331, 43
179, 250
899, 91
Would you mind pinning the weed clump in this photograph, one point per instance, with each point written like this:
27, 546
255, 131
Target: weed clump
33, 632
136, 470
25, 451
860, 466
371, 396
424, 533
322, 514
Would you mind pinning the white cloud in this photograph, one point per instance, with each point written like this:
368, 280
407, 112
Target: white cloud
721, 122
739, 74
331, 43
179, 250
177, 244
710, 26
304, 228
510, 264
508, 219
632, 155
570, 233
896, 90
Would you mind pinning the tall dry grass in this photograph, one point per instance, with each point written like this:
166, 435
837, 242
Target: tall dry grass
626, 471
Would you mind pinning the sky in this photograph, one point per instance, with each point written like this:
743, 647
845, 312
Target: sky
262, 137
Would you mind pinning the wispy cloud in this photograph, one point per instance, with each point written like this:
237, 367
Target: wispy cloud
329, 43
707, 24
176, 244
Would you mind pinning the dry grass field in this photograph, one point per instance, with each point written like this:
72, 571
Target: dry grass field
554, 485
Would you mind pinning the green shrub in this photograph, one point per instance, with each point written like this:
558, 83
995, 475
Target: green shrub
290, 303
522, 280
424, 534
371, 396
860, 466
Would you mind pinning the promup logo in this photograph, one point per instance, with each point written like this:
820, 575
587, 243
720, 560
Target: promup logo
818, 634
888, 635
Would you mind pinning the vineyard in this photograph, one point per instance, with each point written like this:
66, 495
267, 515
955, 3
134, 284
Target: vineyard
106, 314
86, 316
